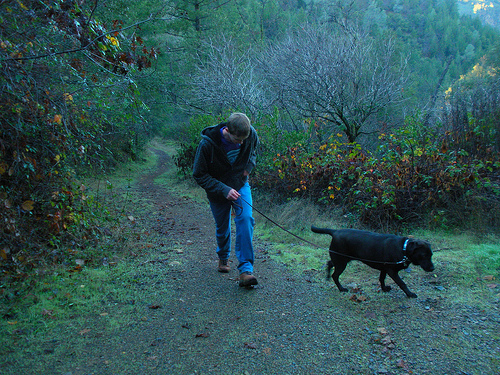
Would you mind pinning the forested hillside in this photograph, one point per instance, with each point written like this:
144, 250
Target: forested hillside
389, 109
487, 10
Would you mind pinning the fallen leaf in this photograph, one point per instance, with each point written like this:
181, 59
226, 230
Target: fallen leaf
8, 203
46, 312
250, 345
204, 334
386, 341
154, 307
85, 331
489, 278
357, 298
28, 205
3, 168
4, 253
492, 286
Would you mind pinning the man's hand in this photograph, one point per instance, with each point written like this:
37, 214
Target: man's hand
233, 195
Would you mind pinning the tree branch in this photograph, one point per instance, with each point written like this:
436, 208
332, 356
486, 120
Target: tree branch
76, 49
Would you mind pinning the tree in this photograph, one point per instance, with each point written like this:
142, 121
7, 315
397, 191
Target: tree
473, 104
342, 78
226, 79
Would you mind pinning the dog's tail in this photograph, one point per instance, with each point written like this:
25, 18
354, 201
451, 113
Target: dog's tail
322, 230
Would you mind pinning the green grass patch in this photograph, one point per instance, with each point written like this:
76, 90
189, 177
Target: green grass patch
468, 266
69, 296
63, 311
296, 216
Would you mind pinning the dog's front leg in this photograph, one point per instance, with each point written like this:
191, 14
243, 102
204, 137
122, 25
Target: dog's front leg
394, 275
385, 288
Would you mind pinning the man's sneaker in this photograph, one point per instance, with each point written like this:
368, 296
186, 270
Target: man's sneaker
247, 279
224, 266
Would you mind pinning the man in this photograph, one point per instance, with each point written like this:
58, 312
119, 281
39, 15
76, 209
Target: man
224, 158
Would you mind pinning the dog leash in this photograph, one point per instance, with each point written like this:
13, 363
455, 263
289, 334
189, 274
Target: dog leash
404, 261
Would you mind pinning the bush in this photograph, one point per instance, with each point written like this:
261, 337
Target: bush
62, 116
414, 178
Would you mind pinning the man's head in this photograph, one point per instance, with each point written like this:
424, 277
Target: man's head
238, 125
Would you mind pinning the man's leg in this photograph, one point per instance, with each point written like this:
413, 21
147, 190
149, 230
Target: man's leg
245, 223
221, 212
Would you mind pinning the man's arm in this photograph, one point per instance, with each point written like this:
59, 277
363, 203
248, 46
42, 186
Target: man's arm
201, 175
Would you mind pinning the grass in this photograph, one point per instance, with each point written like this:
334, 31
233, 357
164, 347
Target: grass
65, 310
465, 262
104, 293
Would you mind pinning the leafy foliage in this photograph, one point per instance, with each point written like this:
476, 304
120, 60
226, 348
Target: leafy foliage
413, 177
62, 76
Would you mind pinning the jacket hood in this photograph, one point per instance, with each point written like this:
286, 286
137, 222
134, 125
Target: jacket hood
212, 134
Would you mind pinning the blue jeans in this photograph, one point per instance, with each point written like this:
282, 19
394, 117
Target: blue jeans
244, 223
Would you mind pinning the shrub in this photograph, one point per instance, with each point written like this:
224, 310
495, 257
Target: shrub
413, 177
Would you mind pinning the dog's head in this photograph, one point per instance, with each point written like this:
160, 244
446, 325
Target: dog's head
420, 254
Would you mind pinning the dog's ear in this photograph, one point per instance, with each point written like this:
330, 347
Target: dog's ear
415, 244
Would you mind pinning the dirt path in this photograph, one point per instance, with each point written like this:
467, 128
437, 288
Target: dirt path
186, 318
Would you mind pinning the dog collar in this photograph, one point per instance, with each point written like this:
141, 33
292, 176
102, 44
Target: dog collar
405, 260
406, 244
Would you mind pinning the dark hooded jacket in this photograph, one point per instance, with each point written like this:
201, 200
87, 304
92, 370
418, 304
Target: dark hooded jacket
212, 169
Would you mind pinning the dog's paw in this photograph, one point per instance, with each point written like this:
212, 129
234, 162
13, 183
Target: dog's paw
386, 288
343, 290
411, 295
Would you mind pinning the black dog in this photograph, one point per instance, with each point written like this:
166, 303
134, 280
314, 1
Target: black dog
385, 252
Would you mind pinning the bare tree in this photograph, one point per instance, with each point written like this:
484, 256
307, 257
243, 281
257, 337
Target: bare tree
226, 78
343, 78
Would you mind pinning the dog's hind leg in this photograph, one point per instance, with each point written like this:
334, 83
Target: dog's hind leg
394, 275
384, 287
340, 266
329, 266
